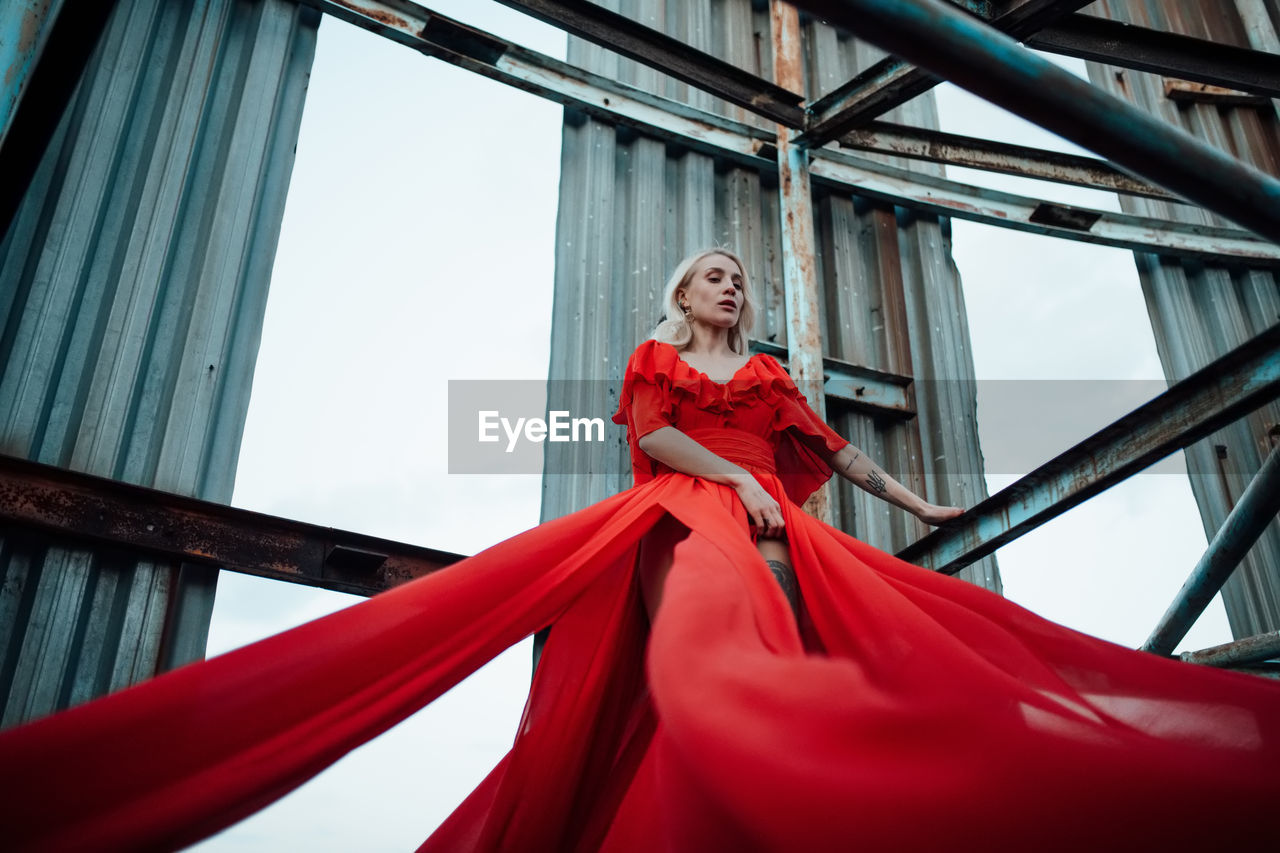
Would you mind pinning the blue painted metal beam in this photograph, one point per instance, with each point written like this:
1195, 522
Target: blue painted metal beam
656, 49
942, 38
854, 386
892, 81
1254, 649
1256, 509
971, 152
1157, 52
24, 31
1224, 390
43, 54
908, 188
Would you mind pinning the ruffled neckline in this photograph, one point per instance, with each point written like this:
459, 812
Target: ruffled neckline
693, 369
756, 380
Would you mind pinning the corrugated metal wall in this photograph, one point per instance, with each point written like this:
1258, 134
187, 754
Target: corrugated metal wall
1199, 312
133, 284
631, 207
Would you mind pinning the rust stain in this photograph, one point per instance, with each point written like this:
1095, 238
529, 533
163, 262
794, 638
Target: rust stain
28, 38
379, 15
30, 28
956, 205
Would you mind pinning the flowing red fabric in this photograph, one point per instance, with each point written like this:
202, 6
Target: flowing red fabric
912, 711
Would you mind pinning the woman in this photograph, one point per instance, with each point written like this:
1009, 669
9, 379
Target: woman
905, 710
709, 307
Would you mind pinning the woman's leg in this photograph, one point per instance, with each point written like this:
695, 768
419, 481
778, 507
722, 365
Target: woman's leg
656, 557
778, 558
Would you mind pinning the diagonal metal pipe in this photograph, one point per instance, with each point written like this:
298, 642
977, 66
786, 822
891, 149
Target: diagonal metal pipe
1249, 650
942, 38
1248, 518
1218, 394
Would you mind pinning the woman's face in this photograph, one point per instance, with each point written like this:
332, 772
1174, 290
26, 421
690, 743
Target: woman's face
714, 292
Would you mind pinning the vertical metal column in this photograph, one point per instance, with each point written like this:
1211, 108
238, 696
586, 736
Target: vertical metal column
795, 199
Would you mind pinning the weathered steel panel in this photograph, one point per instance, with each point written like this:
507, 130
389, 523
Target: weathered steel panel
133, 283
1198, 311
631, 207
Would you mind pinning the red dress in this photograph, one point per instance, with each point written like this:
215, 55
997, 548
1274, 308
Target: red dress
918, 712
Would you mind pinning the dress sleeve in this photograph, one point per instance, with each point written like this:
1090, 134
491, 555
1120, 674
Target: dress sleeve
644, 405
801, 470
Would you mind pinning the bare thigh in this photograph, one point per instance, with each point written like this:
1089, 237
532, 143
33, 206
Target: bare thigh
656, 557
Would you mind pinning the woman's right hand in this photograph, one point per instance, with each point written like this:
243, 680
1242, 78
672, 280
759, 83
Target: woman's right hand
764, 511
937, 515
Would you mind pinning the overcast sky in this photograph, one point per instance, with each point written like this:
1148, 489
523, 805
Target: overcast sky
418, 247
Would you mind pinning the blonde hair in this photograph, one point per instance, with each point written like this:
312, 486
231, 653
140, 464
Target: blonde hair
678, 332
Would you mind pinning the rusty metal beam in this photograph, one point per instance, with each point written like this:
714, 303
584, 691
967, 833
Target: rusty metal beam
1239, 382
671, 56
1250, 516
795, 207
972, 152
993, 66
1249, 650
1169, 54
893, 81
1022, 213
854, 386
38, 499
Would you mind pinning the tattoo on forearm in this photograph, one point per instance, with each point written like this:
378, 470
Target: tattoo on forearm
851, 460
876, 482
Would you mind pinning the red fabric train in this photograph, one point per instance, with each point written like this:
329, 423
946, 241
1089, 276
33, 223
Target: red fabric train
907, 712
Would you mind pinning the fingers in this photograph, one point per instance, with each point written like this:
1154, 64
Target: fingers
942, 516
769, 520
763, 512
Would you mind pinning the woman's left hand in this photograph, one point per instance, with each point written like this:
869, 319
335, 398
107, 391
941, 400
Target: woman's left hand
936, 515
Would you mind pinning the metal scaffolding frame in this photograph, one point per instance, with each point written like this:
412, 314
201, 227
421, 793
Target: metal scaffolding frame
973, 43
